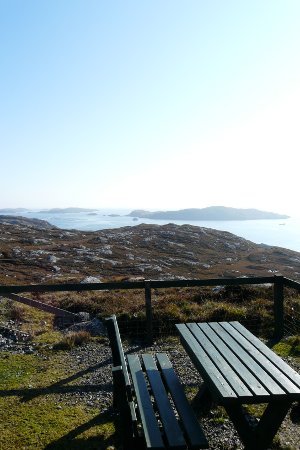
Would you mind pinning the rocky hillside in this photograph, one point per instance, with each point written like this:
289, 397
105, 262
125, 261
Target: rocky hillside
24, 221
35, 252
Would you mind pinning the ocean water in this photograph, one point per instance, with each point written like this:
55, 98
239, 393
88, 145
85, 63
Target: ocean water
282, 233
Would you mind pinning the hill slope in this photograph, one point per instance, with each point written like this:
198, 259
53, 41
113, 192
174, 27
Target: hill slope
33, 254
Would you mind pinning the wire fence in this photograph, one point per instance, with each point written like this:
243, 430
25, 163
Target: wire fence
268, 306
253, 307
291, 313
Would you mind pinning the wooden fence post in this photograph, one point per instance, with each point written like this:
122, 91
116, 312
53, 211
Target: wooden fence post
149, 321
278, 307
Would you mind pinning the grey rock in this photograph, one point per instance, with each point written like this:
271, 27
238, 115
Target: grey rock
84, 316
95, 327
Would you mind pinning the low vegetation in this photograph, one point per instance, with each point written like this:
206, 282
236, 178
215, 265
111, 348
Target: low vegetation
252, 306
73, 339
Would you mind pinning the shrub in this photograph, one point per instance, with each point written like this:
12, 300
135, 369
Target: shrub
16, 312
73, 339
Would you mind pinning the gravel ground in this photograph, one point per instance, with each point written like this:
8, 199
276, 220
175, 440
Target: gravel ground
90, 383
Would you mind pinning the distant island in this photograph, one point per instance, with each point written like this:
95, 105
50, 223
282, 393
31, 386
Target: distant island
210, 213
68, 210
12, 210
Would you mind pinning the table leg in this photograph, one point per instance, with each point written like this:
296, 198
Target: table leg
270, 421
260, 435
203, 400
242, 425
295, 413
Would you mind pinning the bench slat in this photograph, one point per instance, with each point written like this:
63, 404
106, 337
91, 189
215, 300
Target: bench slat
275, 359
150, 426
265, 363
210, 372
190, 424
231, 376
249, 379
270, 384
173, 432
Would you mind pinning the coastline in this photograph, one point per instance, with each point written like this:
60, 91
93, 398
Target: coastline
274, 232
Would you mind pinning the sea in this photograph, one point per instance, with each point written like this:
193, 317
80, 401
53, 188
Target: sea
282, 233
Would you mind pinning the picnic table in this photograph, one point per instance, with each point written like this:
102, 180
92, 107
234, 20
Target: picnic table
238, 369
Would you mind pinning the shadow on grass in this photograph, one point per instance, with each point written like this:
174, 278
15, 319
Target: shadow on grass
71, 442
31, 393
61, 386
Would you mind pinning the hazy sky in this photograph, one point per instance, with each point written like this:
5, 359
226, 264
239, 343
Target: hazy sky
158, 104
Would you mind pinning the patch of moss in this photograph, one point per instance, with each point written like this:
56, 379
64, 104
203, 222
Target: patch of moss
47, 337
255, 410
218, 415
17, 371
288, 347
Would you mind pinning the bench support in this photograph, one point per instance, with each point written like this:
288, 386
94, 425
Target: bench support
126, 408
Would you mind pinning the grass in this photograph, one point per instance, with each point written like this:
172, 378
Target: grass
32, 414
38, 424
37, 418
27, 319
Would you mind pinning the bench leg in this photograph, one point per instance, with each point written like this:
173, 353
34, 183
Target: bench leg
120, 402
117, 387
261, 435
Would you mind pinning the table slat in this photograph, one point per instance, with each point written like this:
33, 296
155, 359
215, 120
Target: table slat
275, 359
213, 377
229, 374
268, 366
257, 369
251, 381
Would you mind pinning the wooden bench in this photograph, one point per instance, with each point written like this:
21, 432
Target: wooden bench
237, 369
143, 386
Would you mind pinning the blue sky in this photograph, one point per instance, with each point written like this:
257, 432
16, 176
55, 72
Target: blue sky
150, 104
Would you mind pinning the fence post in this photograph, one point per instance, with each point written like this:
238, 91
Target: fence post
278, 307
149, 322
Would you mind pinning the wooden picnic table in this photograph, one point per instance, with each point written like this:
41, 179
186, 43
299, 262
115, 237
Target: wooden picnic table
238, 369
